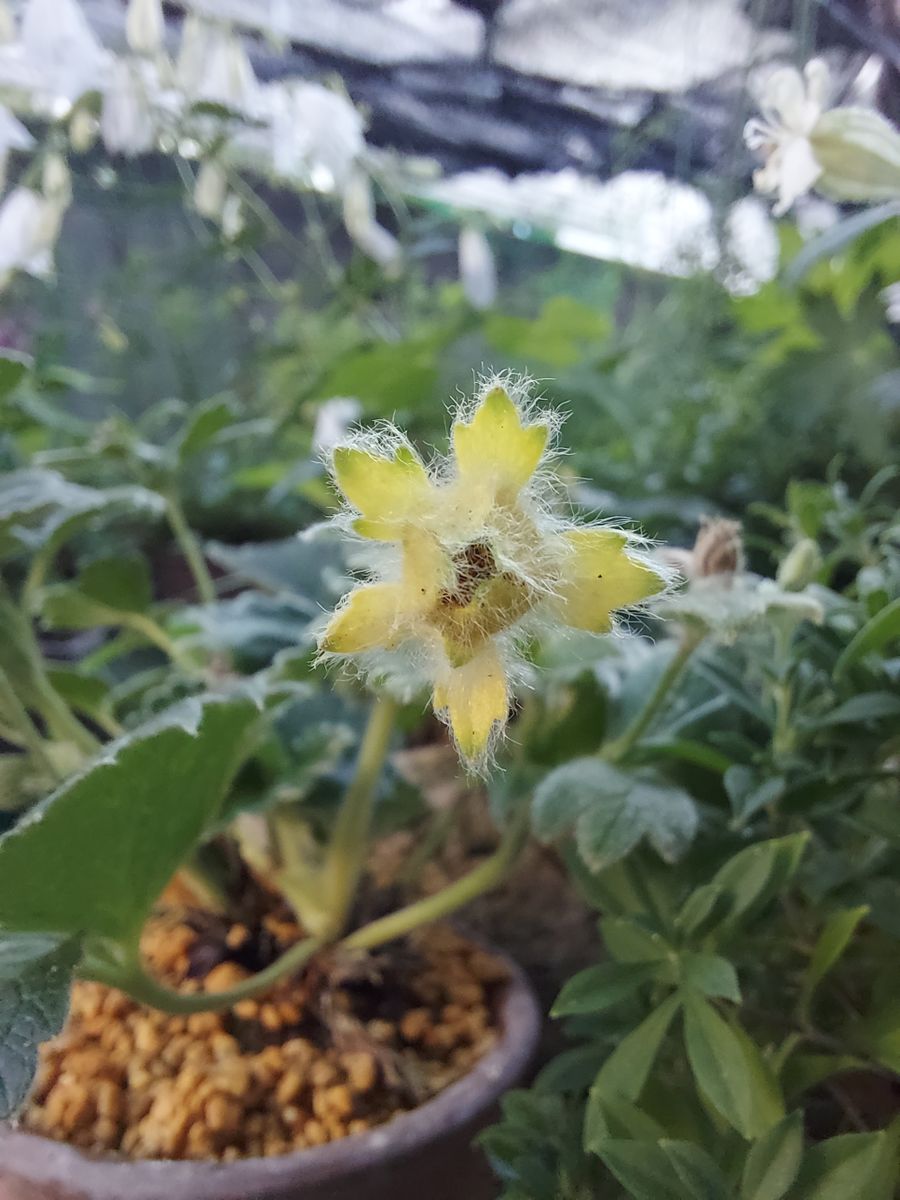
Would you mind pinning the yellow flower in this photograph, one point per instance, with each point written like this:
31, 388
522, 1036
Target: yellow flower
467, 558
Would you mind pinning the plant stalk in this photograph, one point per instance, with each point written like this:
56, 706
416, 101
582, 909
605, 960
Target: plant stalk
349, 842
617, 749
31, 737
190, 548
484, 877
132, 977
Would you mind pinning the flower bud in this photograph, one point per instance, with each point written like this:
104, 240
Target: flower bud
83, 130
145, 26
800, 565
477, 269
859, 152
210, 191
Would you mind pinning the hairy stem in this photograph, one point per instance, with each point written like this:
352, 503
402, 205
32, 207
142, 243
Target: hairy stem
190, 548
349, 842
130, 975
26, 728
616, 750
484, 877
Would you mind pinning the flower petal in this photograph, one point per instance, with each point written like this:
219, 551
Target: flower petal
387, 491
372, 618
601, 577
496, 448
798, 170
476, 700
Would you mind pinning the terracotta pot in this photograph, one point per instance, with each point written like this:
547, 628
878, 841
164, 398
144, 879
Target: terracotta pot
424, 1153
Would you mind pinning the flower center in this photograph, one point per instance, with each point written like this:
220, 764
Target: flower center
482, 602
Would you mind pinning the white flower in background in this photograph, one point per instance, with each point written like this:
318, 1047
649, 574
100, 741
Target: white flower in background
333, 419
57, 41
232, 220
211, 191
477, 268
891, 297
359, 220
7, 23
316, 134
128, 123
30, 222
83, 130
13, 136
849, 153
145, 26
213, 67
752, 247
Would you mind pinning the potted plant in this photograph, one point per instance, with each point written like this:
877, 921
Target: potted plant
272, 1018
739, 1038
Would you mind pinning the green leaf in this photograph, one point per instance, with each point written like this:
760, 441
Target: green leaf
39, 509
837, 238
615, 1117
803, 1071
96, 854
612, 811
207, 419
625, 1071
629, 942
555, 336
841, 1168
728, 1070
668, 1170
13, 369
831, 944
881, 629
774, 1160
34, 998
753, 877
867, 706
710, 974
704, 908
598, 988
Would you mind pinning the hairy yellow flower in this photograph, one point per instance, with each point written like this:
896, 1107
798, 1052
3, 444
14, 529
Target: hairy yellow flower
468, 557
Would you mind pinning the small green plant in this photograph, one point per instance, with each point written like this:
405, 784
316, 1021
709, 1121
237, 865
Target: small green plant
467, 557
739, 1039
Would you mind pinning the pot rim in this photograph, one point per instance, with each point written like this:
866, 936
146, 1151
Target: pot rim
43, 1160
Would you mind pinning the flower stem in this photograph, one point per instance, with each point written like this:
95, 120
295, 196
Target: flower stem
190, 548
484, 877
349, 841
130, 975
616, 750
26, 728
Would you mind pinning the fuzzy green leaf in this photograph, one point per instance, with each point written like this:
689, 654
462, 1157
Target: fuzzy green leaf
35, 971
94, 856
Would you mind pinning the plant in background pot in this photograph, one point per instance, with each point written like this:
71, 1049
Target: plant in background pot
242, 989
739, 1041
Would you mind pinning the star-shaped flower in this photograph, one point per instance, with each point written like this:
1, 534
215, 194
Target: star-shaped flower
476, 559
847, 152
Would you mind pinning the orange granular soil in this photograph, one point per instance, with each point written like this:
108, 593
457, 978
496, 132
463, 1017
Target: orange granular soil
345, 1047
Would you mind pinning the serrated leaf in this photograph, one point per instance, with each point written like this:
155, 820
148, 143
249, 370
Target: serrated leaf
774, 1160
611, 811
39, 508
726, 1071
35, 972
95, 855
710, 974
598, 988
